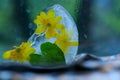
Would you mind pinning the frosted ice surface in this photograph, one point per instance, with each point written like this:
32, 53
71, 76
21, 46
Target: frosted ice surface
37, 40
69, 23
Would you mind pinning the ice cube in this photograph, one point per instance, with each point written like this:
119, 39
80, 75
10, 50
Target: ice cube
70, 25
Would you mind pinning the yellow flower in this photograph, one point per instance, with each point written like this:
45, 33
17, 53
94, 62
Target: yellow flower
20, 53
47, 23
64, 41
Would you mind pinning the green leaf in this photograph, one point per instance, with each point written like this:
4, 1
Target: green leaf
51, 55
35, 58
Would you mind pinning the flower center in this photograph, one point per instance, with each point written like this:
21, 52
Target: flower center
18, 50
65, 41
48, 25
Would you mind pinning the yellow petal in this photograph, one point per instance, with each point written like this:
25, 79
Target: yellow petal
40, 30
38, 21
26, 44
26, 47
28, 51
57, 19
6, 55
43, 14
21, 61
50, 33
60, 28
51, 13
64, 48
73, 43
